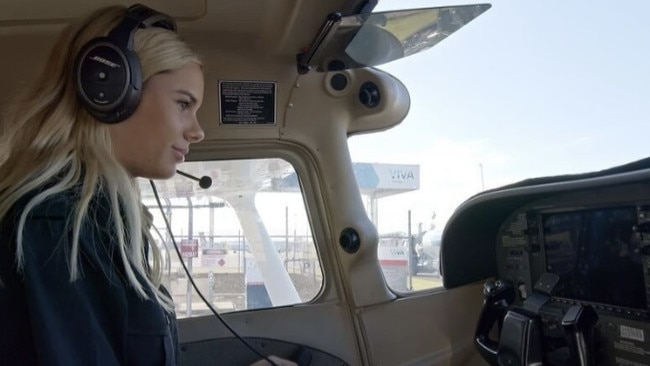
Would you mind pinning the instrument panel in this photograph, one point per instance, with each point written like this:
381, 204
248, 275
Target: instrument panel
588, 249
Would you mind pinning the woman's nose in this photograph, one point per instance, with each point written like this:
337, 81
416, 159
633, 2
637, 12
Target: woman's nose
195, 132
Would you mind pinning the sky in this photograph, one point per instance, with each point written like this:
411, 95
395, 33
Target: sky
527, 89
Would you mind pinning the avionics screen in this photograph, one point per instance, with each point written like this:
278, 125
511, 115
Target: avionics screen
596, 255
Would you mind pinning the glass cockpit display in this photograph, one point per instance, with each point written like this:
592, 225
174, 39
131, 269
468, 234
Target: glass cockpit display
596, 255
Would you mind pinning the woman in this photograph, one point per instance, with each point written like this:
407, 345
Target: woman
77, 287
80, 285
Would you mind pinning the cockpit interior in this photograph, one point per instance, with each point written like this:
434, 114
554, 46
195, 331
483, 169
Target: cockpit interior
551, 271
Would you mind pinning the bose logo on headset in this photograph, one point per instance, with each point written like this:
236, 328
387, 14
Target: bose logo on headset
105, 61
107, 72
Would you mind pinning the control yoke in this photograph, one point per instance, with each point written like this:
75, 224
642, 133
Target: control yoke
520, 335
498, 296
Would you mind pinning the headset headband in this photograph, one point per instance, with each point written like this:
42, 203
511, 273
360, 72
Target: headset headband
138, 16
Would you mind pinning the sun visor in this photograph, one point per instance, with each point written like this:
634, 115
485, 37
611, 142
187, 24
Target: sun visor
373, 39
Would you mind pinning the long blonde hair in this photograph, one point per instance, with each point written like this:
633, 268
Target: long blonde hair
50, 144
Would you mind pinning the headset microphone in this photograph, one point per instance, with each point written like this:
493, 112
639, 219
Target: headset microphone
204, 182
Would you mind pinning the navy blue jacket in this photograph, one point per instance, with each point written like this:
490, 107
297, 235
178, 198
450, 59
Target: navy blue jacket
98, 319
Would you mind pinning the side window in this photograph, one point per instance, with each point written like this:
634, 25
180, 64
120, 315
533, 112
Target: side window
409, 241
245, 240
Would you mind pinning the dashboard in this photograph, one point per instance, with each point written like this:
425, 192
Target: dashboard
566, 265
583, 252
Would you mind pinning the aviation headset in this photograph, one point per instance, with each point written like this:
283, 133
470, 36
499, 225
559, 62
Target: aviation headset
107, 72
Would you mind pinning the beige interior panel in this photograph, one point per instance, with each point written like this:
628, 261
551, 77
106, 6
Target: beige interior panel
36, 11
433, 333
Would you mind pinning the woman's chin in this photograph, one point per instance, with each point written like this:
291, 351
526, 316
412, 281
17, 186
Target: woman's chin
159, 174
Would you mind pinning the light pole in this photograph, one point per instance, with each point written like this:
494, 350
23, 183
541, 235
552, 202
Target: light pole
480, 165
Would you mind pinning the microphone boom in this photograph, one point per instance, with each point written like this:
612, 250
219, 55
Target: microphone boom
204, 182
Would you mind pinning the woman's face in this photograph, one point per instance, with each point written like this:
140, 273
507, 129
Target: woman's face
154, 140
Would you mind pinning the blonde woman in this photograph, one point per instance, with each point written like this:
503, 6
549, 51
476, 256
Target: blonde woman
79, 283
76, 284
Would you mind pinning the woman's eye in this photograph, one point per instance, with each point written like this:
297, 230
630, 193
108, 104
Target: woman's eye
183, 104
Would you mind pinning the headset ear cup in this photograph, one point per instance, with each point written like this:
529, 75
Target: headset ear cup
108, 80
107, 72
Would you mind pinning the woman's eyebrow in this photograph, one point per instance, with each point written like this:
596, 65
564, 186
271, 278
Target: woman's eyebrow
187, 93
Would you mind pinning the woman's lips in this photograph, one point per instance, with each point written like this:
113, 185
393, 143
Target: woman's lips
180, 153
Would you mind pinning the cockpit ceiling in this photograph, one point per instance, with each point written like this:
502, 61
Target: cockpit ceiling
38, 11
280, 26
